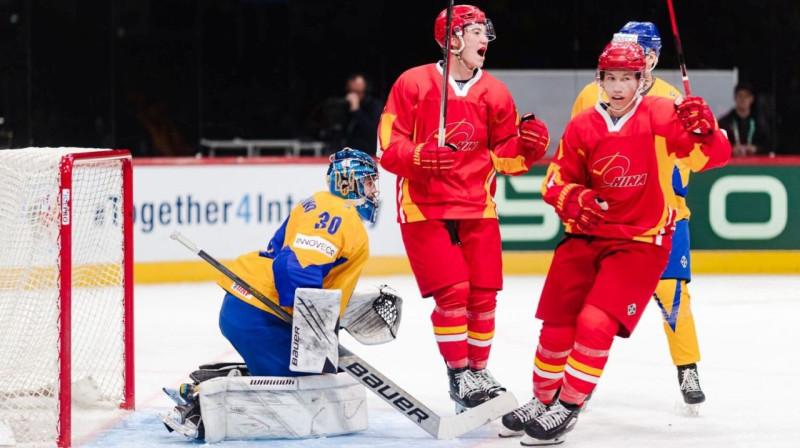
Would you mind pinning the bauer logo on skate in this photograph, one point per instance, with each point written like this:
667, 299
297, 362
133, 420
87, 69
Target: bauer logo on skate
613, 170
316, 243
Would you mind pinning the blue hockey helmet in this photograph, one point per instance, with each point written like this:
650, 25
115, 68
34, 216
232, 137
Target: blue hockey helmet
646, 36
353, 175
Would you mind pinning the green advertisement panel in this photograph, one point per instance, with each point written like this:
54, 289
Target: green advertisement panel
746, 207
754, 206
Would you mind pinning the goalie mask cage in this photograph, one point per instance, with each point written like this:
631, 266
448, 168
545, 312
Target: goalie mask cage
66, 290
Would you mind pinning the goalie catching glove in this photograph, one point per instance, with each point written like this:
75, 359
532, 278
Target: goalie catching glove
373, 316
581, 207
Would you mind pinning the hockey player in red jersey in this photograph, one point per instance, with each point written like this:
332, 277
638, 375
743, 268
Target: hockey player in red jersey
610, 183
672, 293
445, 193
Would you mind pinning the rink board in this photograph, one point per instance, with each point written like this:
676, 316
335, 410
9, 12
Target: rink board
745, 217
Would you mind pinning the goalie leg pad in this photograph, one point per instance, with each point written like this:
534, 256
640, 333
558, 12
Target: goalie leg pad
240, 408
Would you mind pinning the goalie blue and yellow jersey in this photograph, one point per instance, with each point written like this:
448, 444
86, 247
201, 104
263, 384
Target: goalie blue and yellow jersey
322, 244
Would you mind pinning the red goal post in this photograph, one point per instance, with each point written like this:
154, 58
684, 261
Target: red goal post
66, 289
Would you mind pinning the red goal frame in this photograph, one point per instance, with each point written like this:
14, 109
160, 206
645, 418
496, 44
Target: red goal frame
65, 328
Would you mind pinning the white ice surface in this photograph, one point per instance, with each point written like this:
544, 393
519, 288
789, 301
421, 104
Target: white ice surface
747, 325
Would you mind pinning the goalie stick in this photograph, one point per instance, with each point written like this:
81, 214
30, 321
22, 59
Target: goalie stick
437, 426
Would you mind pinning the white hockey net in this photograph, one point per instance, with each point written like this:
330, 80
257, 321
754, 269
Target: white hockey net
45, 341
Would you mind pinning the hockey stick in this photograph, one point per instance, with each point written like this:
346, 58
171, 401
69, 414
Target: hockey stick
685, 76
445, 72
435, 425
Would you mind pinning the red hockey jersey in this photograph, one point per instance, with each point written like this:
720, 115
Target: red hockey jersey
481, 122
630, 165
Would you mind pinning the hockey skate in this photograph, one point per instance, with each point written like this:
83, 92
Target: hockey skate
185, 420
487, 383
514, 422
551, 427
464, 389
690, 389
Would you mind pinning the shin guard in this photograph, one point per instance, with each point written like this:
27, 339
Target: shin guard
480, 326
449, 320
555, 343
593, 338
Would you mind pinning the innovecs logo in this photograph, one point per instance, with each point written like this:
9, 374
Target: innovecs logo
457, 134
613, 172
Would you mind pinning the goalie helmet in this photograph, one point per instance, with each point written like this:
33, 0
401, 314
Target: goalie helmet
353, 175
644, 33
463, 16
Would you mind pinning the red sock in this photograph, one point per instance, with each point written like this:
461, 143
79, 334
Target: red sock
480, 325
555, 343
449, 319
593, 338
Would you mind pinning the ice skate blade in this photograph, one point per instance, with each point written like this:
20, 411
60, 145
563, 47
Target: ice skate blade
691, 410
188, 429
506, 433
530, 441
687, 410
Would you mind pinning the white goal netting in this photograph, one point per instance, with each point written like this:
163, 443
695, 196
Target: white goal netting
55, 324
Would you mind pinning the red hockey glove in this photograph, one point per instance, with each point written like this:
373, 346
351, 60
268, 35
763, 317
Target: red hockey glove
695, 115
434, 160
533, 136
581, 207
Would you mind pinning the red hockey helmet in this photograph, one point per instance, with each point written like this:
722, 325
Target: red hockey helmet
622, 55
463, 15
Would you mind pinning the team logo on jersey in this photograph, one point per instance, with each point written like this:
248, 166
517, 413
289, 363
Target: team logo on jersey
315, 243
631, 309
457, 134
613, 171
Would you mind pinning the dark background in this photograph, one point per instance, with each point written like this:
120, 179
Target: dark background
128, 73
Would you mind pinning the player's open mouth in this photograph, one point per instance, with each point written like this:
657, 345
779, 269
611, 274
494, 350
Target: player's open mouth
482, 51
